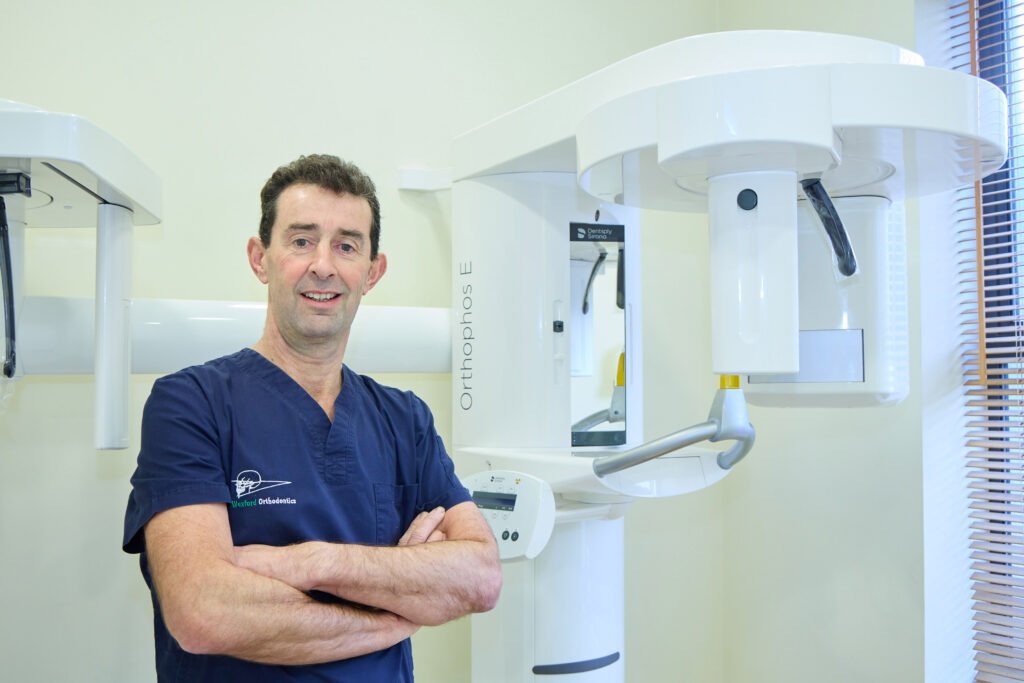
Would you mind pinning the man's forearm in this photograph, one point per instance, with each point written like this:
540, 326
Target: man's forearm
263, 620
427, 583
212, 606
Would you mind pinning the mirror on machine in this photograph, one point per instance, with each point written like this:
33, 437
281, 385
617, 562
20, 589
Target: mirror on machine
597, 334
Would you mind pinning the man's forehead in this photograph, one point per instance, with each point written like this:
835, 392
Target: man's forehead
308, 206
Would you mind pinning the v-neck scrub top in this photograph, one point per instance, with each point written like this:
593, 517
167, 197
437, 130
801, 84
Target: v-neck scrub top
238, 430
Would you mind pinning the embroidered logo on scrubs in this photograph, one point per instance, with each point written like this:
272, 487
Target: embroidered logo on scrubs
250, 481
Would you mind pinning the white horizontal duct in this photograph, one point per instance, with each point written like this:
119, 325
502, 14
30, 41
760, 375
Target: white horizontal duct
55, 335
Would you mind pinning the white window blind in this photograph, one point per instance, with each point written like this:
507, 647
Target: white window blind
985, 39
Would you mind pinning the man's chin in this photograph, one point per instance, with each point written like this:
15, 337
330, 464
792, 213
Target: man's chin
323, 331
321, 334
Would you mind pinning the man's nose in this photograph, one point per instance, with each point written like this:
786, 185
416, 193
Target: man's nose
323, 262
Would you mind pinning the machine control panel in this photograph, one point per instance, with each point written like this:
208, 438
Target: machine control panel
519, 508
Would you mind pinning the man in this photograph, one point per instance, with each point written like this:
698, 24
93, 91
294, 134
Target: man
298, 521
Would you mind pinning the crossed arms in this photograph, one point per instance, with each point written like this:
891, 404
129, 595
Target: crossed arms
250, 602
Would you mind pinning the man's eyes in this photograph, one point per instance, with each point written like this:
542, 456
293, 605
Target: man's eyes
305, 242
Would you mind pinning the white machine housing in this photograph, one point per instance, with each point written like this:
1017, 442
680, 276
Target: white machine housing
698, 124
82, 176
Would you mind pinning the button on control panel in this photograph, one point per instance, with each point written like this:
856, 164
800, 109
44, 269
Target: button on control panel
519, 508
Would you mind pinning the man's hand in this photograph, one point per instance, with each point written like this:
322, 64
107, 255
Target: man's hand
427, 583
424, 528
288, 563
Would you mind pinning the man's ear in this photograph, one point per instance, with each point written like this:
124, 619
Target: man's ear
377, 268
257, 253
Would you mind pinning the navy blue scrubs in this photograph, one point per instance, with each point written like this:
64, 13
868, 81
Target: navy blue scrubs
239, 431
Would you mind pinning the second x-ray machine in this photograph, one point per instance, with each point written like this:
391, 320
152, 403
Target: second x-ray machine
799, 146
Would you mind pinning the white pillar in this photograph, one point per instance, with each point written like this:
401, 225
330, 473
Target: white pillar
113, 328
561, 616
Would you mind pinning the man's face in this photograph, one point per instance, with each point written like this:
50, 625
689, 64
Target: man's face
318, 265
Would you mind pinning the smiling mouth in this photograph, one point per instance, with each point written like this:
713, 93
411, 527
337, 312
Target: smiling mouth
325, 296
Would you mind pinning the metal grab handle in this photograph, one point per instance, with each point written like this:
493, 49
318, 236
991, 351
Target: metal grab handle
609, 464
726, 459
590, 283
7, 283
727, 420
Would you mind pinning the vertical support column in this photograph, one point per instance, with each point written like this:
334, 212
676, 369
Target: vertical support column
754, 294
579, 603
113, 325
561, 616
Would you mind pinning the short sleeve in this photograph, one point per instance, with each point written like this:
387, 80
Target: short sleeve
180, 456
438, 483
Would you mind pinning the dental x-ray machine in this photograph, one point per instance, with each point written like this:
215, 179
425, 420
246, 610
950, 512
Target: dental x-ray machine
800, 147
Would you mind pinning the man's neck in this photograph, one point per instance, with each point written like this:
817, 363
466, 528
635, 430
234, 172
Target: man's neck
316, 368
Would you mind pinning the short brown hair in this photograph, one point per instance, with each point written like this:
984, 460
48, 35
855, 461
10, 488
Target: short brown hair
326, 171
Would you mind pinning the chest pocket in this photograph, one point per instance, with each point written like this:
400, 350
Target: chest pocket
395, 508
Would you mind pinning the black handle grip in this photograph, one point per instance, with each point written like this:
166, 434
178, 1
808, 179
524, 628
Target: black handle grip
7, 284
833, 225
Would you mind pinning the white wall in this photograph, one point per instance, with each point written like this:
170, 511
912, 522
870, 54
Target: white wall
804, 565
